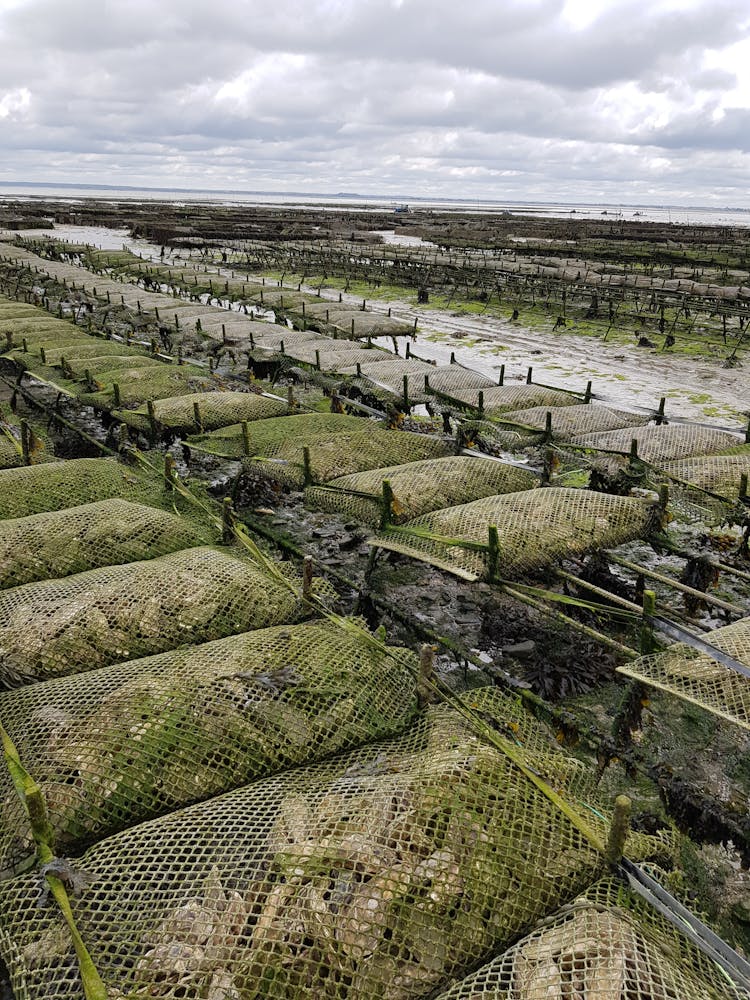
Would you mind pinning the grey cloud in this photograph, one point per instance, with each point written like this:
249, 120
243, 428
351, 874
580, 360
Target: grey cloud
491, 96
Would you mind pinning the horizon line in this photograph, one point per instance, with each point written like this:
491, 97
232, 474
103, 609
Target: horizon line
353, 194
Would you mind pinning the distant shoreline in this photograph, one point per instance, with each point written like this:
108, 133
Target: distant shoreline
8, 187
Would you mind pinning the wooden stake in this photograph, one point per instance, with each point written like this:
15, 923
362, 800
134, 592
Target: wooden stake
152, 419
425, 689
307, 578
169, 472
493, 557
197, 416
116, 393
387, 510
647, 643
227, 521
25, 442
246, 437
618, 831
547, 426
529, 374
307, 466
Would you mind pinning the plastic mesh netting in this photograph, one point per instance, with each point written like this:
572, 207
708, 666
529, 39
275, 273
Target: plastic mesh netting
417, 488
331, 456
695, 676
535, 528
448, 378
121, 612
267, 435
360, 323
334, 361
378, 874
273, 337
122, 744
40, 331
422, 383
212, 409
76, 354
305, 350
657, 444
390, 369
59, 543
608, 945
98, 364
136, 385
497, 399
578, 419
720, 475
56, 485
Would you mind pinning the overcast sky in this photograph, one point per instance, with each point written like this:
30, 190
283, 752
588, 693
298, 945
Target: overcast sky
621, 101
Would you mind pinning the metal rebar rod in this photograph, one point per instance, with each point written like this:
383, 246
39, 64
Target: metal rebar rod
605, 640
682, 587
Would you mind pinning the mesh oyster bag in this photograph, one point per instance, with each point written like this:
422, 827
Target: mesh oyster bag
417, 488
306, 350
204, 411
448, 378
77, 354
694, 675
535, 528
94, 365
420, 384
57, 485
60, 543
40, 331
609, 944
331, 456
265, 437
499, 398
569, 421
129, 387
658, 444
333, 360
85, 621
357, 323
391, 370
118, 745
705, 487
273, 337
377, 874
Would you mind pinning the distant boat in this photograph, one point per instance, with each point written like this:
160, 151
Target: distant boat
401, 209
